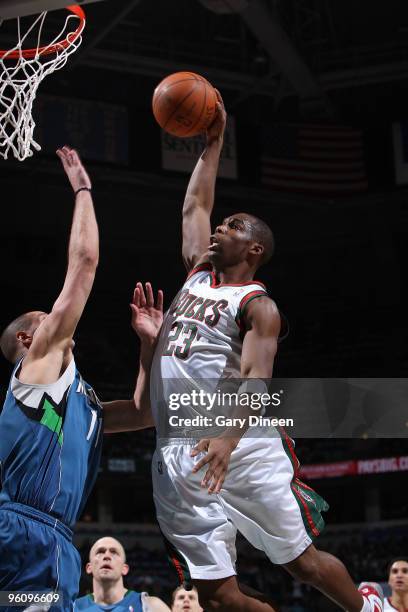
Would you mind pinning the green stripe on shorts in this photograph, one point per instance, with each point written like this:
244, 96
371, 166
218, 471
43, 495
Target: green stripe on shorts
310, 503
178, 562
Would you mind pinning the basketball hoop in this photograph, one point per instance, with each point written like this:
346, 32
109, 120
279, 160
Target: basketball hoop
22, 71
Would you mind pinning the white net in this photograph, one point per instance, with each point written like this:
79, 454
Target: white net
22, 71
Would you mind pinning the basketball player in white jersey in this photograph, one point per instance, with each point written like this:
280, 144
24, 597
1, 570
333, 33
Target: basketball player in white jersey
398, 581
223, 325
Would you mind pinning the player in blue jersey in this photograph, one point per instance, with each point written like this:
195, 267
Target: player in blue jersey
107, 565
50, 426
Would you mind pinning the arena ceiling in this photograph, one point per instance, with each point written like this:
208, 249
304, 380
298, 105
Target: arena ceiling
315, 50
333, 57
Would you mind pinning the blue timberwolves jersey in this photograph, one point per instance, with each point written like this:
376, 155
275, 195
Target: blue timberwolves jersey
50, 444
132, 602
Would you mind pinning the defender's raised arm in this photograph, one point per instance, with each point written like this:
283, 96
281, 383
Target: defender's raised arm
199, 200
50, 424
51, 343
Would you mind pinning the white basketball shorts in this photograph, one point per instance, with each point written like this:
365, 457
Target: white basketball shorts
261, 497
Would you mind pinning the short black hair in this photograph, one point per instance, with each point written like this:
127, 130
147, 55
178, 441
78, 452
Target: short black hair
263, 234
396, 560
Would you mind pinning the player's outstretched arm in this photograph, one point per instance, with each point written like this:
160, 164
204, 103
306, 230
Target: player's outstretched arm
147, 319
199, 199
50, 350
262, 324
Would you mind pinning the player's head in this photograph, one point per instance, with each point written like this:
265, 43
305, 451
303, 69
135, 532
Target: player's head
241, 237
107, 561
183, 600
16, 339
398, 576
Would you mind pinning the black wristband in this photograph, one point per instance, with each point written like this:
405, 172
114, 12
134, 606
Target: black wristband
83, 189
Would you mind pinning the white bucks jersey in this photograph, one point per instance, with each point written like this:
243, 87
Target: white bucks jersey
200, 342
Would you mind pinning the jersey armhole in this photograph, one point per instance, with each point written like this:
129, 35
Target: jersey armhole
67, 376
285, 328
203, 267
252, 295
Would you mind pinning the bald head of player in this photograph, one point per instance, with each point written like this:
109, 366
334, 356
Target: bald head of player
398, 581
107, 564
241, 238
185, 601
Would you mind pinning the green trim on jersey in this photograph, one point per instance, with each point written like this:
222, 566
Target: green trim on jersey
247, 299
52, 420
49, 413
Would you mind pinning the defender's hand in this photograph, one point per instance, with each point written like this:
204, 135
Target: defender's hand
218, 457
75, 171
216, 130
147, 316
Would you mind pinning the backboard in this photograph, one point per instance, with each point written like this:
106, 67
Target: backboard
10, 9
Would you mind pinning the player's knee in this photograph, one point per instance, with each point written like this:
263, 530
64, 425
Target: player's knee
305, 570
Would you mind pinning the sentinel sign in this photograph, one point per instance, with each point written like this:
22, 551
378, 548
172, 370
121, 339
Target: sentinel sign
181, 154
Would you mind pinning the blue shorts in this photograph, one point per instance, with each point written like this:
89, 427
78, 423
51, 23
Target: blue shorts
37, 554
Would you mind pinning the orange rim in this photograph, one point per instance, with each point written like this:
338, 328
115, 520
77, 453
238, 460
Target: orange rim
50, 50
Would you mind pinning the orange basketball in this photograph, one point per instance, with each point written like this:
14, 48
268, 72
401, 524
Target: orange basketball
184, 104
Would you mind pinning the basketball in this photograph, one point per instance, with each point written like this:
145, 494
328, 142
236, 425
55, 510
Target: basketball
184, 104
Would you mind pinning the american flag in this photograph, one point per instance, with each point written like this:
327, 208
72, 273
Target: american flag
315, 159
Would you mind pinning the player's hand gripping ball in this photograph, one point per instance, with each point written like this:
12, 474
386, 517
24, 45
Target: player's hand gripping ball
184, 104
